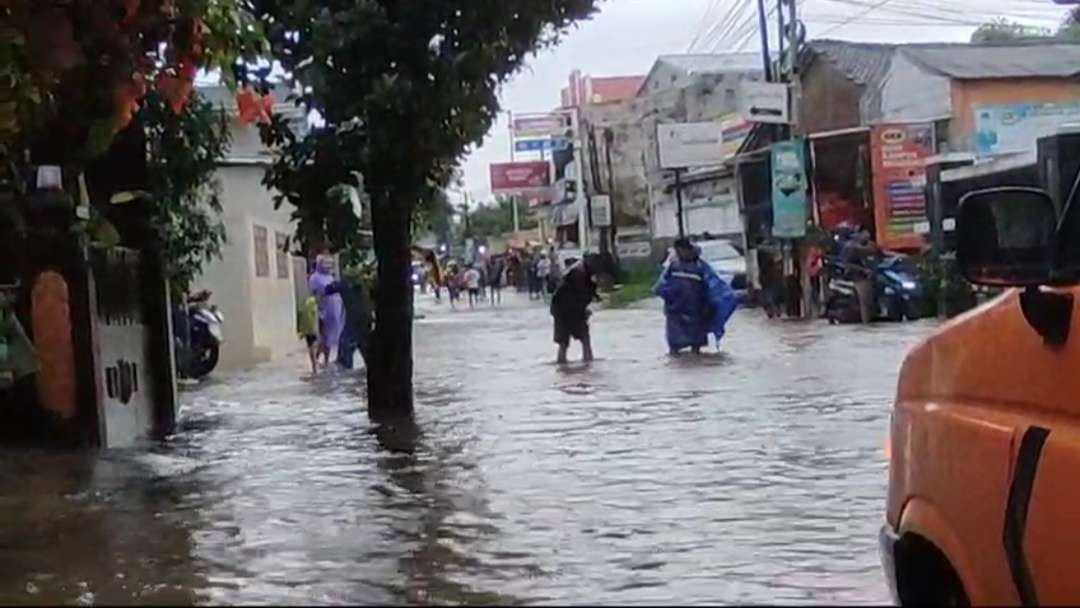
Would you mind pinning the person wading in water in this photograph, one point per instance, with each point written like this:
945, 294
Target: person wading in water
570, 307
697, 301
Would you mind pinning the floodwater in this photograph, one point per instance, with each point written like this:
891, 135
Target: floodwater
756, 475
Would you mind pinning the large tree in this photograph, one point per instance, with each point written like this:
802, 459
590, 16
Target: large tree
405, 88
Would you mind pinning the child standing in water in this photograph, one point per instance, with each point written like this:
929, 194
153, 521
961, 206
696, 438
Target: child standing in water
309, 330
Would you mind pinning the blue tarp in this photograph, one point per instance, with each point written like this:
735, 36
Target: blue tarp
697, 302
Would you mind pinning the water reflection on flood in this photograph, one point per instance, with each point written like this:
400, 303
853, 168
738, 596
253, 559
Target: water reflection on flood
751, 475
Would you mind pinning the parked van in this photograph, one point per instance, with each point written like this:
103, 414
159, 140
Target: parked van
984, 496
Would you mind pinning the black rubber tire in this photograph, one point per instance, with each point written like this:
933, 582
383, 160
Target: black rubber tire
204, 358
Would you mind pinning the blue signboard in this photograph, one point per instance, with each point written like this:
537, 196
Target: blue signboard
789, 186
541, 145
1003, 129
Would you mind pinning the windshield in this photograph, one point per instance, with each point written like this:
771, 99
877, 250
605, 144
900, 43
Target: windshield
717, 251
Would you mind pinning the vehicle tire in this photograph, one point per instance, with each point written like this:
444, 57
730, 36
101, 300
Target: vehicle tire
204, 358
926, 578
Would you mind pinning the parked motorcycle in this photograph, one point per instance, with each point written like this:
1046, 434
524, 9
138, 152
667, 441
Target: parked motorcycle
199, 356
898, 293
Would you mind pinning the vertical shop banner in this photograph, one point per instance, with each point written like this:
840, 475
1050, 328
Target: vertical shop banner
899, 154
789, 187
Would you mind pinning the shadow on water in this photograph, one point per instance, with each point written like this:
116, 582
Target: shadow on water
450, 521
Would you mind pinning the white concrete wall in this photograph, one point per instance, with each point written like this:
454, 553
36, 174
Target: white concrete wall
910, 93
260, 312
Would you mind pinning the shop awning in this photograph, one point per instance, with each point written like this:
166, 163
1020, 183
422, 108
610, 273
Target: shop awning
838, 133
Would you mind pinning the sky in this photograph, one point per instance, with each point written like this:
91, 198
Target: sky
626, 36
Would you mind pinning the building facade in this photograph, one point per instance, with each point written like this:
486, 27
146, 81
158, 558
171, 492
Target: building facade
254, 283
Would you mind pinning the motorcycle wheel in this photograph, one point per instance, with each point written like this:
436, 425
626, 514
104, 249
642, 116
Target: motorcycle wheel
204, 358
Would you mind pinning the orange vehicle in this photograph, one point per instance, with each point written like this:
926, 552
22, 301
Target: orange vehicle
984, 501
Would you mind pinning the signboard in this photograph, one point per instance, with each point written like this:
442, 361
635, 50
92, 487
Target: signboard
766, 102
539, 125
638, 246
733, 132
541, 145
898, 160
1015, 128
601, 211
695, 144
525, 178
789, 185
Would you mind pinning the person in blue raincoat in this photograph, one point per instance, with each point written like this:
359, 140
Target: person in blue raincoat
697, 301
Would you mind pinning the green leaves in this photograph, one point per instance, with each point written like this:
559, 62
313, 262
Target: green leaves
184, 152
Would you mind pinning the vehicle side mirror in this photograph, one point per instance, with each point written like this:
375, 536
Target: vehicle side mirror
1006, 237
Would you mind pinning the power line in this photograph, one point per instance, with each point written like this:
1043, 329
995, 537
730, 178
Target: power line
702, 24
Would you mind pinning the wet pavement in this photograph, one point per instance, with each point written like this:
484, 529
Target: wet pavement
753, 475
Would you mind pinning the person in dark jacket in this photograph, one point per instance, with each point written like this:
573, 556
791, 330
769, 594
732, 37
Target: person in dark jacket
356, 297
570, 307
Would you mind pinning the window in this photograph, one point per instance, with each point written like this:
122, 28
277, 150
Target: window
282, 250
262, 252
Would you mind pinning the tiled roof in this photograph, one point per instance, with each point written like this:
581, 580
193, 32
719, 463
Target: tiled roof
616, 88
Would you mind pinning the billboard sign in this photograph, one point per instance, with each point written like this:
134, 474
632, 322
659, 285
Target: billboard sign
1001, 129
766, 102
531, 178
601, 211
539, 125
541, 145
694, 144
898, 159
789, 185
733, 132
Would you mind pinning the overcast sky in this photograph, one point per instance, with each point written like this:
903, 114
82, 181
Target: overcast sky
627, 36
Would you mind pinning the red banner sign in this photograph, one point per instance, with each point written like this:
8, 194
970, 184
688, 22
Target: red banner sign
899, 154
531, 178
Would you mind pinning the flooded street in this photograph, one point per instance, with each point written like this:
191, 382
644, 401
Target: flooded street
752, 476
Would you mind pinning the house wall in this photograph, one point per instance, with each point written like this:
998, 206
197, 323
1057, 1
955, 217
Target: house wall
967, 94
260, 312
829, 100
910, 93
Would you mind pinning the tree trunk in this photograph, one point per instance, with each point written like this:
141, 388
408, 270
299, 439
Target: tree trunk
390, 363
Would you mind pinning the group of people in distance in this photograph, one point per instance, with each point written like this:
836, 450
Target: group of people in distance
697, 302
474, 279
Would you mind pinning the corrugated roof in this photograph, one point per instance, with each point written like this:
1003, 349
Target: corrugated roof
864, 63
969, 62
869, 63
713, 63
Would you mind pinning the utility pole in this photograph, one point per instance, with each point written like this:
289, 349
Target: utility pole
678, 202
579, 182
763, 24
465, 213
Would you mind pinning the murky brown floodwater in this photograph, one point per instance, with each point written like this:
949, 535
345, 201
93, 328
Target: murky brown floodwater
752, 476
